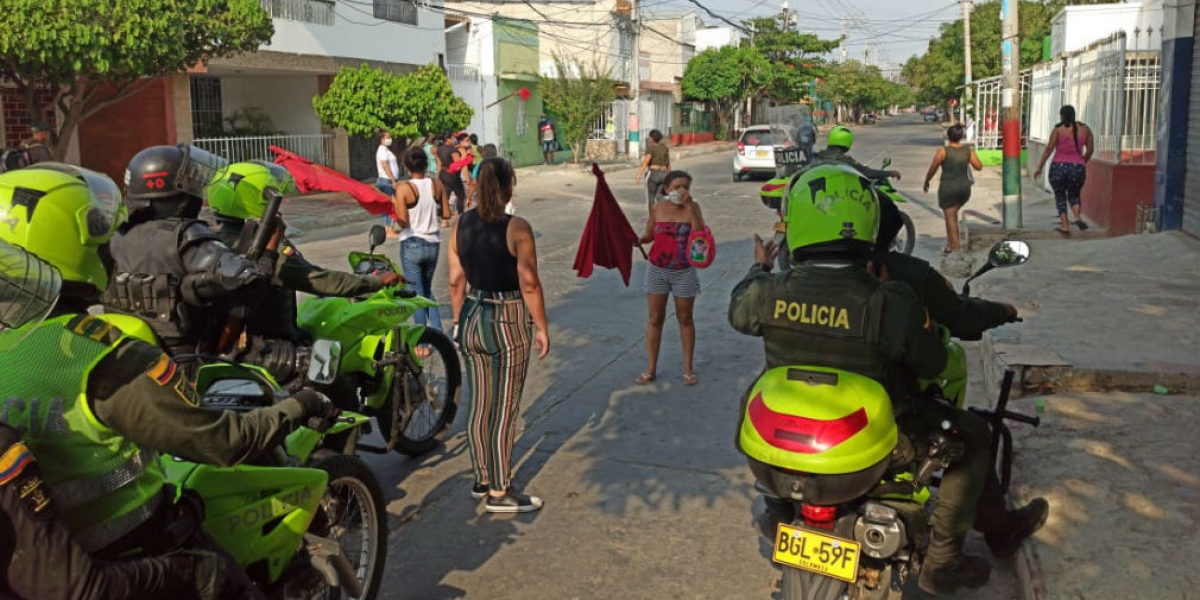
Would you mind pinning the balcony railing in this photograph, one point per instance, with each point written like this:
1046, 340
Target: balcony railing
317, 12
460, 72
315, 147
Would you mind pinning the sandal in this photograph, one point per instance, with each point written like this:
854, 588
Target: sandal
1063, 231
1081, 225
646, 378
690, 379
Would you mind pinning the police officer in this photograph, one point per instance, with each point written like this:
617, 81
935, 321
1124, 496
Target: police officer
95, 405
841, 138
806, 137
170, 270
832, 221
276, 340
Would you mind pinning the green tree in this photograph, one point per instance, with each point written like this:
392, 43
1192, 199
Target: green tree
576, 96
793, 58
89, 54
723, 78
861, 88
410, 106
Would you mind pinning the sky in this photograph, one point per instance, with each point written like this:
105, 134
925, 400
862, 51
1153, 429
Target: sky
889, 31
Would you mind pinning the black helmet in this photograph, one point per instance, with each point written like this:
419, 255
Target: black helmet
169, 171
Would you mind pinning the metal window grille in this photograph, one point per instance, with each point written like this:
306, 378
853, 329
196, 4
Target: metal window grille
1143, 78
989, 110
207, 116
1096, 88
317, 12
400, 11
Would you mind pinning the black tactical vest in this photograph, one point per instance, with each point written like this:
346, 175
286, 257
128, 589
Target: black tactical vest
275, 318
147, 276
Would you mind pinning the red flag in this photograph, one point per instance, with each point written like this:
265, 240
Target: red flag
608, 239
312, 177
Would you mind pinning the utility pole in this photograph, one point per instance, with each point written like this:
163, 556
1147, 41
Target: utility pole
635, 78
1010, 102
966, 19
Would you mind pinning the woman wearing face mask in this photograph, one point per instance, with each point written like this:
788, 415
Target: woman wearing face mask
389, 170
669, 273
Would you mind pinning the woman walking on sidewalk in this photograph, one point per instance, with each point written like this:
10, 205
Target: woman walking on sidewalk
1072, 145
419, 202
669, 272
955, 160
496, 293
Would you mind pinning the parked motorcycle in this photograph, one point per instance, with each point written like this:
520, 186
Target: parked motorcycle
301, 522
413, 398
862, 522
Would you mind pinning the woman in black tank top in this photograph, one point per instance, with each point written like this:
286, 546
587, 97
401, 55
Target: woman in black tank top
497, 296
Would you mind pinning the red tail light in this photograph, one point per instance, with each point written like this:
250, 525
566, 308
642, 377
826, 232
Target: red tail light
741, 148
819, 516
801, 434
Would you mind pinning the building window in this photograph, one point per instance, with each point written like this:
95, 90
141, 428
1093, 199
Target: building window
319, 12
401, 11
207, 116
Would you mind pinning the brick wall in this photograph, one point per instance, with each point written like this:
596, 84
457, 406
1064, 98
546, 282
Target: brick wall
16, 116
109, 138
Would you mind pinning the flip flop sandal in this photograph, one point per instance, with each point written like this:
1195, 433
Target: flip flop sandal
1081, 225
1063, 231
690, 379
646, 378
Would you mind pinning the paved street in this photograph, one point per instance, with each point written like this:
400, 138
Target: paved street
645, 495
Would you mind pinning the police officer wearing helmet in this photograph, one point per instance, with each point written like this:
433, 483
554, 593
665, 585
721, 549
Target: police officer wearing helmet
95, 405
169, 268
276, 342
837, 150
872, 328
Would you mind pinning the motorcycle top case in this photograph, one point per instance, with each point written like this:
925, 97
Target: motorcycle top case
817, 420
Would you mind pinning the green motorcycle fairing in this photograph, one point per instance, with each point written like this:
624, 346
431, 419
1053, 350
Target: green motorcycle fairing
953, 379
359, 325
818, 420
259, 515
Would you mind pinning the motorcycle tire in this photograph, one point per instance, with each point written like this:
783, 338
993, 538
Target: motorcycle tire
906, 240
349, 475
425, 442
802, 585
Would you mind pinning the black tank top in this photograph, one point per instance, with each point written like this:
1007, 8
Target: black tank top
446, 155
483, 252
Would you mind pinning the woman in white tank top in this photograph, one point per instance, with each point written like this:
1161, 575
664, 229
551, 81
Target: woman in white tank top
420, 204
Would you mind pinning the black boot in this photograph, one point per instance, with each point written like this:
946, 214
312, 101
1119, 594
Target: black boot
946, 568
1018, 525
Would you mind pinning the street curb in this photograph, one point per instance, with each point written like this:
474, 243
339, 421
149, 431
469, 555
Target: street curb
981, 236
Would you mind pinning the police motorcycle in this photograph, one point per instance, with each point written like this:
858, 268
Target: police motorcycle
414, 398
829, 441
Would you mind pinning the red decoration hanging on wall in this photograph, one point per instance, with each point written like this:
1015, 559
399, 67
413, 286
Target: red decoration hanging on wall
524, 93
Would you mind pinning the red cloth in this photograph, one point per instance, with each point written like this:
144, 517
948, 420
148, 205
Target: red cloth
608, 239
312, 177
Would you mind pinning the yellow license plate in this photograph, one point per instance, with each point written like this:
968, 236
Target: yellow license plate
761, 154
811, 551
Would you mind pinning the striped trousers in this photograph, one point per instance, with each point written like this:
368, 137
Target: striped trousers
495, 337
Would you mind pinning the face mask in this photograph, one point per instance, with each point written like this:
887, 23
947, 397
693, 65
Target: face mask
387, 141
674, 197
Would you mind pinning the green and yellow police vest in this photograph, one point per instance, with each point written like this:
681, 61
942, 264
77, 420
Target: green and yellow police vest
103, 484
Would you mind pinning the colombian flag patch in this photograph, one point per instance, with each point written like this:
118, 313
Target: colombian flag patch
163, 371
13, 462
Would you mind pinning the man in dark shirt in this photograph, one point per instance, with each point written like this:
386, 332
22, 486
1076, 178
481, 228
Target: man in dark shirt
37, 148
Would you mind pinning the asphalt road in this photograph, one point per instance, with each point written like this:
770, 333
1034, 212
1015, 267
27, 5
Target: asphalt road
645, 495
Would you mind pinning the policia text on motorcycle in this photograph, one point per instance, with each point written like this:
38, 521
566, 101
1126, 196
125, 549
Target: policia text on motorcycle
887, 335
108, 404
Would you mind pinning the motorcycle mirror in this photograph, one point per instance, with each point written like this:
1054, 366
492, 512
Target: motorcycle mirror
324, 362
1008, 253
887, 162
377, 236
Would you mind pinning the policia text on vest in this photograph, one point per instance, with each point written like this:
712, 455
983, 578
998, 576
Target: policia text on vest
834, 317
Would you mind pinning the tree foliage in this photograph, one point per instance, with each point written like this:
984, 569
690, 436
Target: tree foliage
91, 53
723, 77
792, 58
938, 74
410, 106
576, 96
861, 88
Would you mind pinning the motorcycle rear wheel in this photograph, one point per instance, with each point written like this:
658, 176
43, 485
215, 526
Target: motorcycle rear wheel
432, 416
354, 494
802, 585
906, 240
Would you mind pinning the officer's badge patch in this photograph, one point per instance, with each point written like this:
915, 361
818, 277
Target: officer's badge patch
163, 371
13, 462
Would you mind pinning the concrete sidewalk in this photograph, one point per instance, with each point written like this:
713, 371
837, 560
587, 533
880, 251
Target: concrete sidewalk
984, 214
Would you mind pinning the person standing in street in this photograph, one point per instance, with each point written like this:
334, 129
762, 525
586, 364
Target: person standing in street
656, 161
447, 155
419, 203
388, 171
669, 273
549, 137
955, 160
496, 294
1072, 145
37, 148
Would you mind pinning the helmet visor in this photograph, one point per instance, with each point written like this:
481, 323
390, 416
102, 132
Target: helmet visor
283, 179
105, 212
199, 170
29, 287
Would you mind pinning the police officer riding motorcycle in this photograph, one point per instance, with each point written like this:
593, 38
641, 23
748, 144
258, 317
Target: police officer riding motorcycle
837, 150
275, 341
170, 269
830, 311
97, 406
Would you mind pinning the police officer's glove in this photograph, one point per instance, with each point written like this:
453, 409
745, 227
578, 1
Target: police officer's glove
267, 262
319, 411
